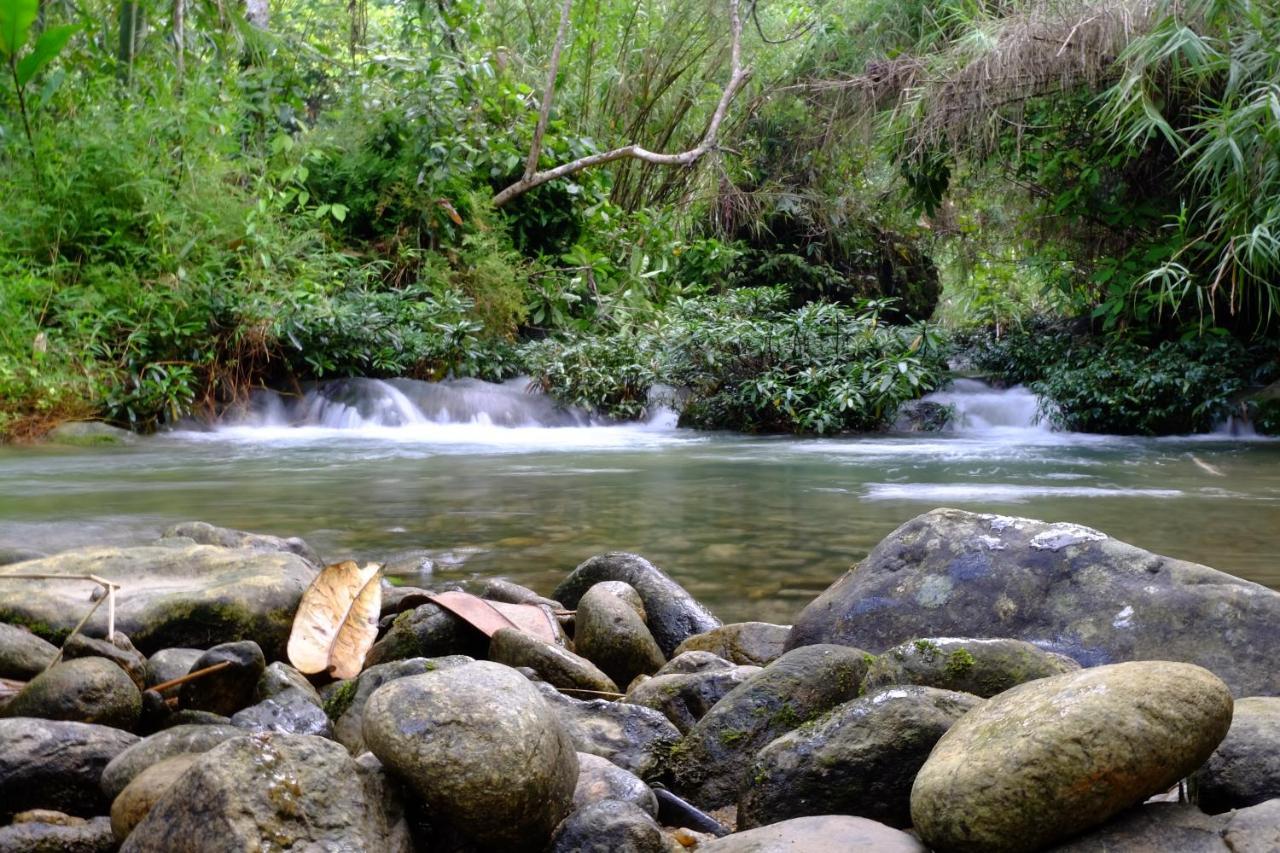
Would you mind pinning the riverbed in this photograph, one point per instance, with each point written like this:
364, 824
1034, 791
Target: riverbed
755, 527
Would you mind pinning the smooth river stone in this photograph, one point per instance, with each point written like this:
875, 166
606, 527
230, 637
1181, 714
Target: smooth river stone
51, 764
1245, 768
818, 834
611, 634
557, 666
84, 690
747, 643
482, 750
983, 667
1053, 757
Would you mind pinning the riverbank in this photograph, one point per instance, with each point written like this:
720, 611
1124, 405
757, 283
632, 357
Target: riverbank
871, 720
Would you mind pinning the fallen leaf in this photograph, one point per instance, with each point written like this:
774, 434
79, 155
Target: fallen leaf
337, 620
489, 616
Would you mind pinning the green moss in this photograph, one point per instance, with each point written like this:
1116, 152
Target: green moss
959, 662
340, 699
786, 717
43, 630
926, 648
729, 737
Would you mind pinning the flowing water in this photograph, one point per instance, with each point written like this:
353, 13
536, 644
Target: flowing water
460, 480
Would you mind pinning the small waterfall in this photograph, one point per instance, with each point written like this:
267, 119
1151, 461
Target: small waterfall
364, 403
980, 408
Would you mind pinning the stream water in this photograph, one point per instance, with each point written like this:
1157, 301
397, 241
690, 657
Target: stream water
455, 481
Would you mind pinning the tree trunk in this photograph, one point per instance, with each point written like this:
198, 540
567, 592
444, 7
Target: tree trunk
130, 33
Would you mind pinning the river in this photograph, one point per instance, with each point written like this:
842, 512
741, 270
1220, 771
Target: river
455, 482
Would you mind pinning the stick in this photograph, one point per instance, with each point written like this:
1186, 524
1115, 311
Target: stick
591, 692
192, 676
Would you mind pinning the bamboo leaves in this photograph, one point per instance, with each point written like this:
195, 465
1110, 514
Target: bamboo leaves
337, 620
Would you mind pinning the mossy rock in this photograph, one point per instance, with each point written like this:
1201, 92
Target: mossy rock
983, 667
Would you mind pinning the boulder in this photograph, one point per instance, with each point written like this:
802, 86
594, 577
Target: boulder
131, 806
819, 834
23, 655
85, 690
290, 792
228, 690
860, 758
610, 633
600, 779
609, 826
673, 615
749, 643
50, 764
141, 754
1054, 757
983, 667
1067, 588
635, 738
174, 595
480, 748
555, 665
43, 836
119, 650
711, 763
427, 631
346, 704
685, 698
1245, 768
223, 537
168, 664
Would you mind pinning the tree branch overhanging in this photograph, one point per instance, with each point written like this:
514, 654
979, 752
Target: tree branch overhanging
532, 179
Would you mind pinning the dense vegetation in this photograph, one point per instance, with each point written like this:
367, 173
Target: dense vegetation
201, 200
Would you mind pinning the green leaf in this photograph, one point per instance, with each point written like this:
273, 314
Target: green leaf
49, 45
16, 18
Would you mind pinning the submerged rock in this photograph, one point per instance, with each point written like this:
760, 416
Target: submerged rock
47, 764
84, 690
711, 763
1245, 768
224, 537
610, 633
818, 834
555, 665
293, 792
749, 643
481, 749
1067, 588
635, 738
860, 758
981, 667
88, 434
609, 826
1053, 757
141, 754
23, 655
601, 779
177, 595
673, 615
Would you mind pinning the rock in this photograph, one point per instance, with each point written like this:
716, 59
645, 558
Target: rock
140, 755
859, 758
691, 662
635, 738
288, 792
207, 534
188, 717
1182, 828
611, 634
397, 599
923, 416
280, 678
749, 643
56, 765
981, 667
673, 615
1067, 588
118, 650
178, 595
88, 434
600, 779
609, 826
1245, 768
821, 834
228, 690
131, 806
168, 664
346, 706
1053, 757
427, 631
86, 836
497, 589
9, 556
23, 655
480, 748
289, 712
711, 763
1253, 830
85, 690
553, 664
686, 698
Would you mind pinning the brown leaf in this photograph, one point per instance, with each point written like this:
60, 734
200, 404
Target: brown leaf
490, 616
337, 620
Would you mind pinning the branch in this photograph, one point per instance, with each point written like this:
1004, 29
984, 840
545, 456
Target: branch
737, 79
544, 114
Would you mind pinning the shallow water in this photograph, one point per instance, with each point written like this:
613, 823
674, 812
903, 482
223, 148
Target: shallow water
755, 527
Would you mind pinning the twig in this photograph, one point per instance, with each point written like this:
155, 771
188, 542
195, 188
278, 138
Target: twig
591, 692
110, 597
192, 676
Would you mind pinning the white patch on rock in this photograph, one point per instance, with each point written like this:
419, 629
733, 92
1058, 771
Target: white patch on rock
1062, 535
1124, 618
993, 543
935, 591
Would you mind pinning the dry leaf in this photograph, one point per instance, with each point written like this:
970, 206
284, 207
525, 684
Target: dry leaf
490, 616
337, 620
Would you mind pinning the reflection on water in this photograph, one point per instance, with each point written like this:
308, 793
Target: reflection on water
755, 527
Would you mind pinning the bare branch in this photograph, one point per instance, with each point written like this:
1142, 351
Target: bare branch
544, 114
738, 77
